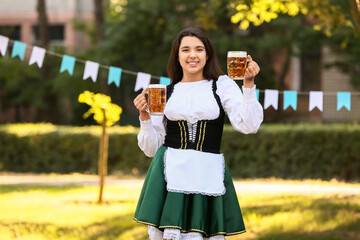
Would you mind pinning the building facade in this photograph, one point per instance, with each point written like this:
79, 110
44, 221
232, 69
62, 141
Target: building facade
19, 21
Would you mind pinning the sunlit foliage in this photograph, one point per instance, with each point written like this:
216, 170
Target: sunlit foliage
326, 15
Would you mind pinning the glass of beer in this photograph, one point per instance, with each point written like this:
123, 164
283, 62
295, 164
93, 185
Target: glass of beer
236, 64
156, 99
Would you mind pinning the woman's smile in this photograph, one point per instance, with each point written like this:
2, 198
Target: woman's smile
193, 63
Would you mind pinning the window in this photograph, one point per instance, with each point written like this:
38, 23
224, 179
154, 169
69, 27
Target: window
12, 32
56, 35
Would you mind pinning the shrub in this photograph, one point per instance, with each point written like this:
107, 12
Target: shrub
283, 151
295, 151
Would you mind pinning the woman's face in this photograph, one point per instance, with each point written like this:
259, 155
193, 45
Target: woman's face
192, 55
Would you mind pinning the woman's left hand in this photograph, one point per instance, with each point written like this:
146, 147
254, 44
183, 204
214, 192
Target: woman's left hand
252, 70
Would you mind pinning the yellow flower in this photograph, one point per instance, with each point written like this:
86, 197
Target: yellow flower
99, 103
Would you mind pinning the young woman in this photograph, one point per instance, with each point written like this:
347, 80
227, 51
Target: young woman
188, 192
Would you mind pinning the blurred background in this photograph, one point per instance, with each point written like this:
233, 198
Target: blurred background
297, 178
300, 45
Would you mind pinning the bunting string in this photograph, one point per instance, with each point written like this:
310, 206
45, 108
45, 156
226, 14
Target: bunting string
307, 93
81, 60
271, 96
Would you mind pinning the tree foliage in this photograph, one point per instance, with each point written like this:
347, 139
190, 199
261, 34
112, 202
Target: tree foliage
328, 15
338, 19
261, 11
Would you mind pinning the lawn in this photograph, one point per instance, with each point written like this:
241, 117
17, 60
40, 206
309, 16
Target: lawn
70, 212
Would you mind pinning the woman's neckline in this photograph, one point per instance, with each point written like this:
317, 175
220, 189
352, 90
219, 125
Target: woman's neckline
199, 81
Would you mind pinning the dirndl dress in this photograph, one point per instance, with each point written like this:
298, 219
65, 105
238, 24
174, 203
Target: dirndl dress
206, 215
209, 215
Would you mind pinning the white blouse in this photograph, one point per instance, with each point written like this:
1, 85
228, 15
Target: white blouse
193, 101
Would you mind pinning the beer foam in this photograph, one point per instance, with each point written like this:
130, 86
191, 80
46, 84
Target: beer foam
157, 86
237, 54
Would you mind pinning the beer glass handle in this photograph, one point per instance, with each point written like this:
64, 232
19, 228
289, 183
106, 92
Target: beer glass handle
147, 99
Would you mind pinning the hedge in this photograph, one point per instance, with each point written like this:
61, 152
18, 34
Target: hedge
281, 151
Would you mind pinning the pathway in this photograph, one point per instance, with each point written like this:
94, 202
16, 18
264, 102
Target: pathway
268, 186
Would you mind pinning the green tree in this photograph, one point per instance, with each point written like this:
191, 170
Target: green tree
329, 15
338, 19
105, 114
138, 37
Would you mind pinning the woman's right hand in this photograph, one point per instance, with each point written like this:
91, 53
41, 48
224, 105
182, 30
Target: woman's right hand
142, 105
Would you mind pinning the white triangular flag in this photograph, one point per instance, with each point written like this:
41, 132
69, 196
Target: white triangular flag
271, 98
91, 70
37, 56
4, 41
316, 100
142, 81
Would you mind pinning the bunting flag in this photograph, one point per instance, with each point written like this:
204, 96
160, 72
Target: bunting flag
114, 76
316, 100
271, 98
142, 81
290, 99
67, 64
91, 70
4, 41
37, 56
343, 100
18, 50
165, 81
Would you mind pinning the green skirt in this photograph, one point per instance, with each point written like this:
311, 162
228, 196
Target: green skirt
208, 215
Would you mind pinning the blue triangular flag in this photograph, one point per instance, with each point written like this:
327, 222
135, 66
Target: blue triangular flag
290, 99
165, 80
257, 94
67, 63
343, 100
18, 50
114, 75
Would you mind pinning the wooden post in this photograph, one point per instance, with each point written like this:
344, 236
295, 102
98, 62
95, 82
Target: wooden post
103, 155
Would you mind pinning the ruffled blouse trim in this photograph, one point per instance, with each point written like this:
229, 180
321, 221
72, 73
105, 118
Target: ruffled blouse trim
176, 234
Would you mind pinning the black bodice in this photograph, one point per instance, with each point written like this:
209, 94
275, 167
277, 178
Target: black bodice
204, 135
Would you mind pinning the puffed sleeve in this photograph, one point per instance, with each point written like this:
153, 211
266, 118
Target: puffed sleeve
243, 109
152, 135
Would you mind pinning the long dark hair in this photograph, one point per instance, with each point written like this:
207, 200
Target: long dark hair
211, 68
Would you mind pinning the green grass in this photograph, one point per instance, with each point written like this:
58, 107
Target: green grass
70, 212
